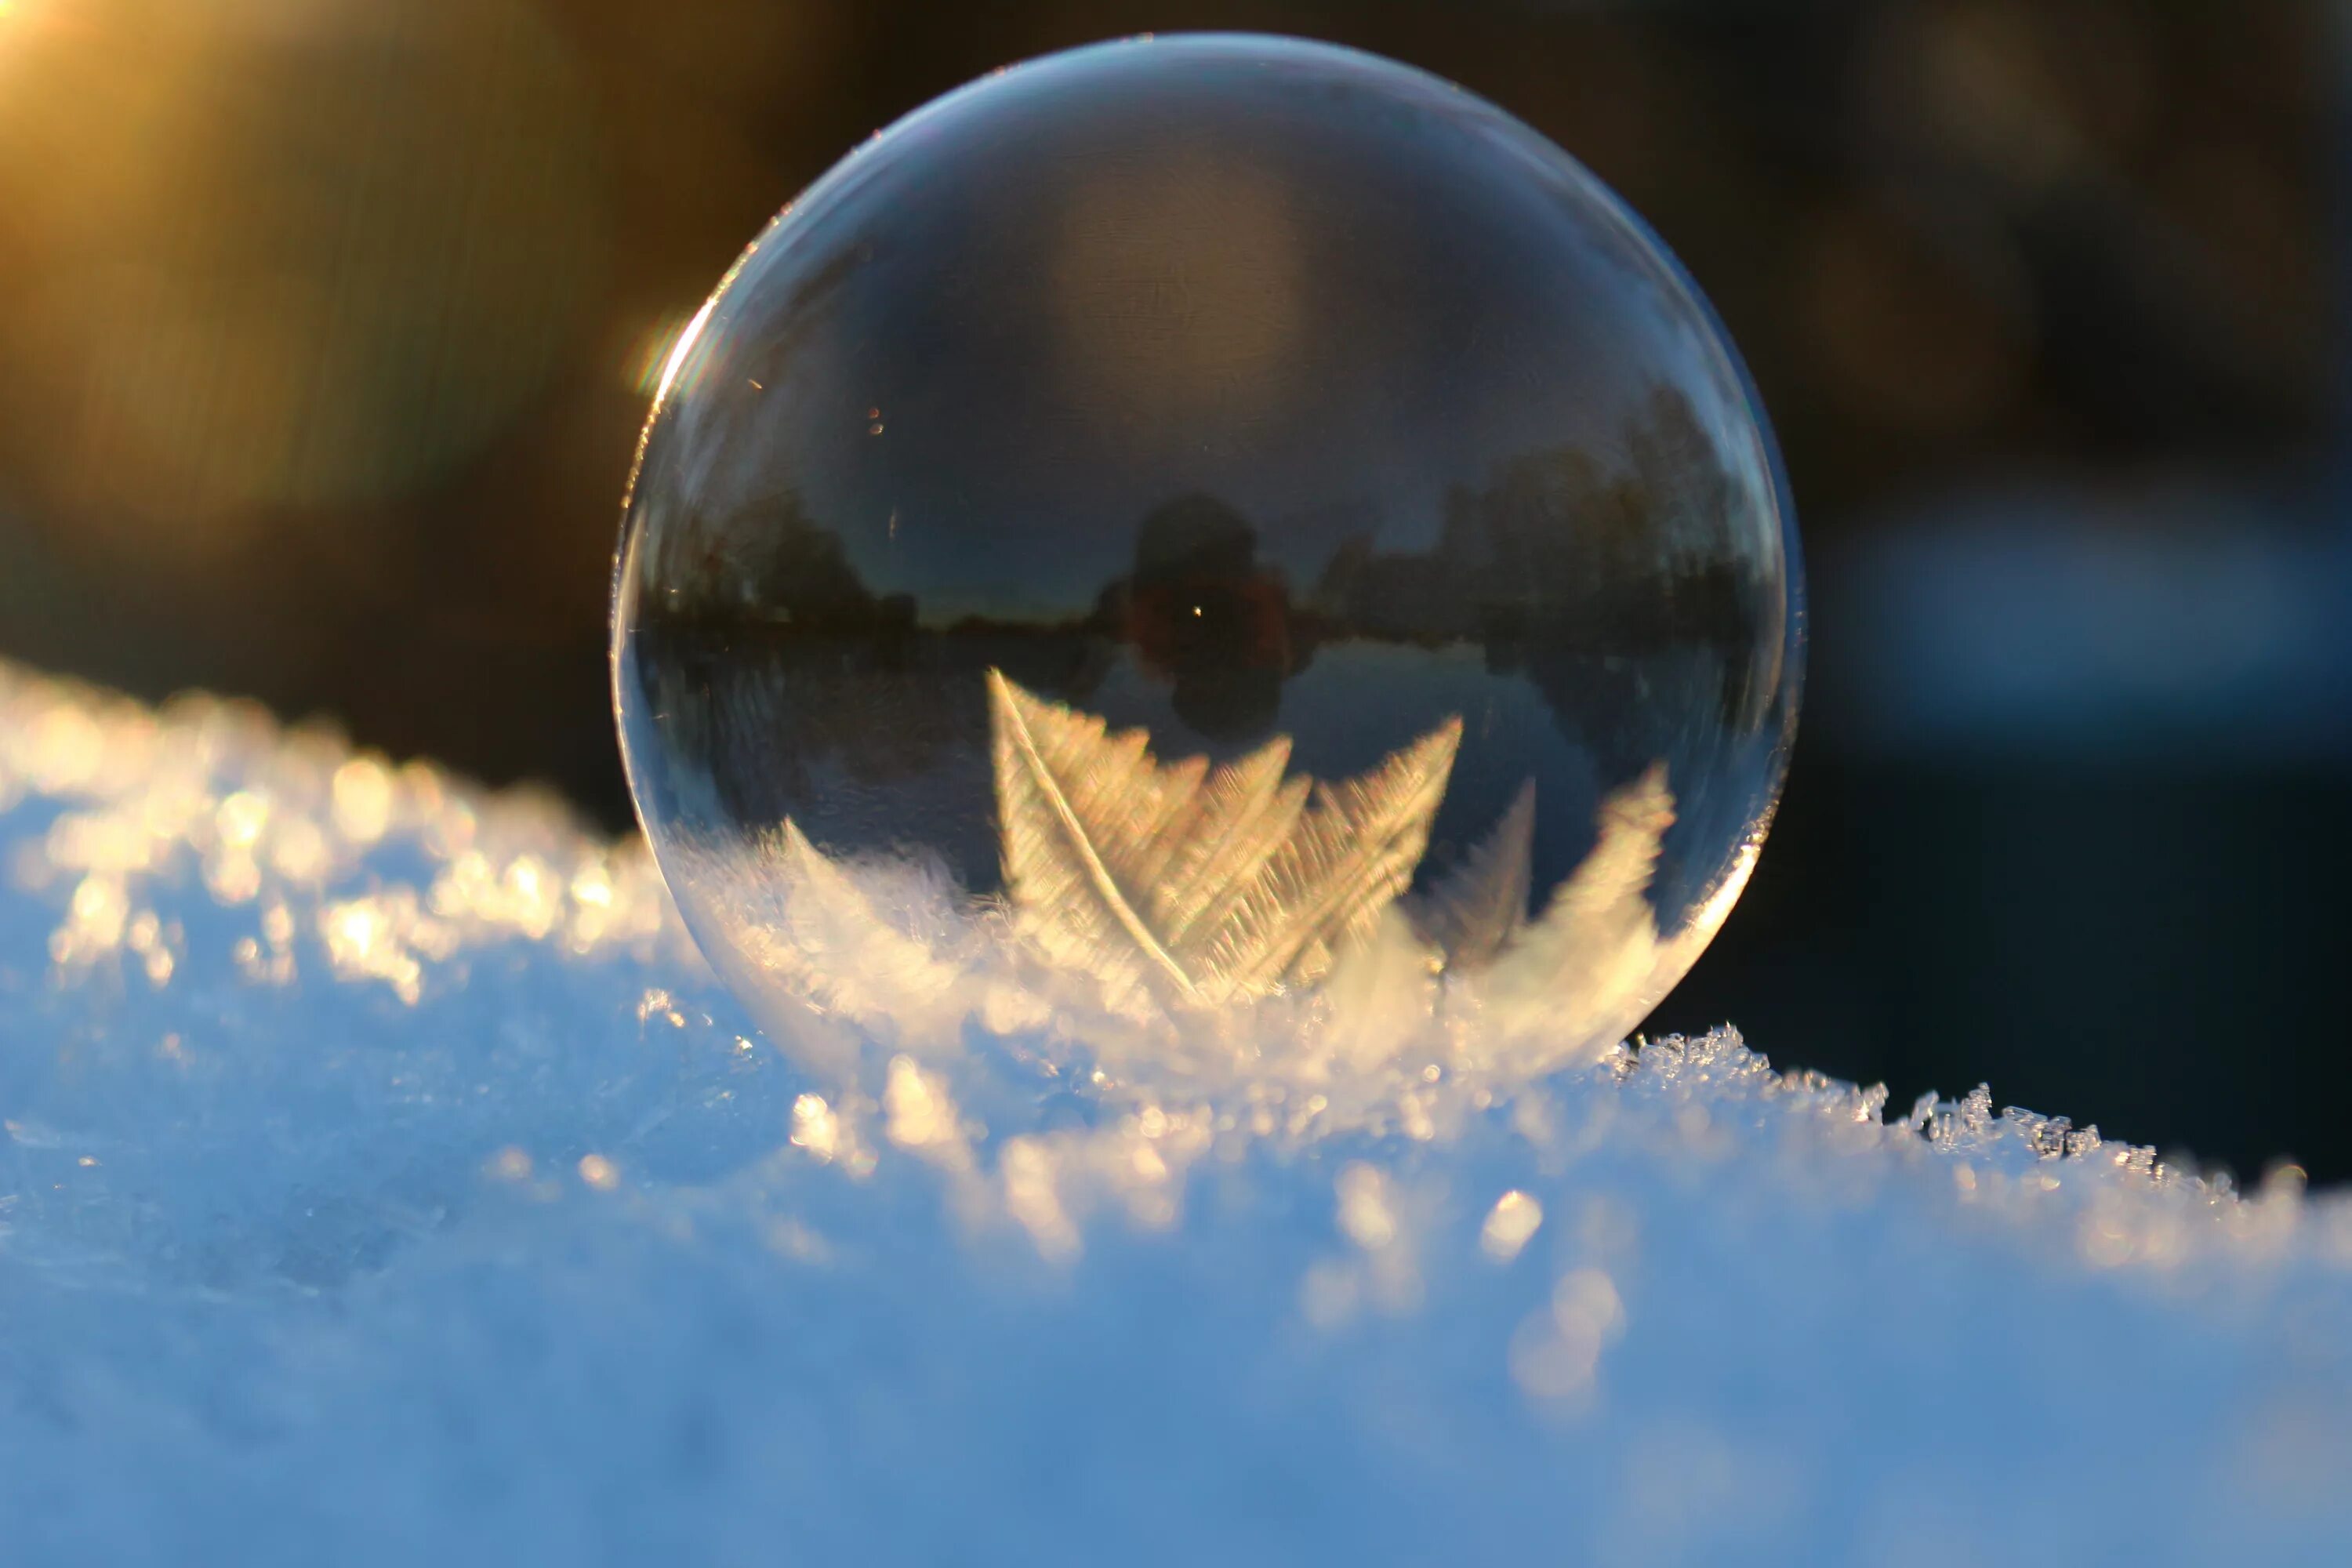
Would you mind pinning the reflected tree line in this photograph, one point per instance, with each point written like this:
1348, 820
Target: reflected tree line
1564, 568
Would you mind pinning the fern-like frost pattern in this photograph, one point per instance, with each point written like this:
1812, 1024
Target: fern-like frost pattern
1212, 886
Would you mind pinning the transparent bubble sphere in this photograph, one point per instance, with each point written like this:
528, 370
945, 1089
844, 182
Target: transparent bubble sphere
1183, 522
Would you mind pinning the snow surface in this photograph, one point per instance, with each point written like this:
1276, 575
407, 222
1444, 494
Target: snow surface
384, 1180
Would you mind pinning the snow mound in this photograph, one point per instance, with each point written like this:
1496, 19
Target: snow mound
384, 1179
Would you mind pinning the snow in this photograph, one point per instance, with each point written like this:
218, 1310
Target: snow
385, 1180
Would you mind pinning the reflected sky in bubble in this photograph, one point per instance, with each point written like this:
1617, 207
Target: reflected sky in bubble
1324, 306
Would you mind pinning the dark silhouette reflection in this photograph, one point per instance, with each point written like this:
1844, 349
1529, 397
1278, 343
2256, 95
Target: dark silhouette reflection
1202, 614
1626, 592
1572, 573
800, 579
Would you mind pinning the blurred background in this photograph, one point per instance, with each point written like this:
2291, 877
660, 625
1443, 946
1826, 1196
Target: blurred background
326, 328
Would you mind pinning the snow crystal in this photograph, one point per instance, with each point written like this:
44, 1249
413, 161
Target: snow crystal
384, 1179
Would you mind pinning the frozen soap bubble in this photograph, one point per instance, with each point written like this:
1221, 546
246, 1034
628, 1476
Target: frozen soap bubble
1174, 520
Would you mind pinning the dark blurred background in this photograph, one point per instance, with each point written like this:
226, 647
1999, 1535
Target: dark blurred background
326, 328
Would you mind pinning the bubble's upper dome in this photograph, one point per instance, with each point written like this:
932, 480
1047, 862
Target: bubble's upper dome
1109, 449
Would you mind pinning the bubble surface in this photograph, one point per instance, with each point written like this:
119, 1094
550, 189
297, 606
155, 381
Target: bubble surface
1206, 519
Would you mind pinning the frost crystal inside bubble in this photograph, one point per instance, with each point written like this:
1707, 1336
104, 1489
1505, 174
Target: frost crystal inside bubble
1195, 523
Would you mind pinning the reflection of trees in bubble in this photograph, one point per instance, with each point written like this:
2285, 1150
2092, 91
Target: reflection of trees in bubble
1619, 591
1576, 576
1558, 549
765, 562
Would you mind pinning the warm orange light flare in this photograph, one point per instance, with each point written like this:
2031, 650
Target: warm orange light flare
261, 282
